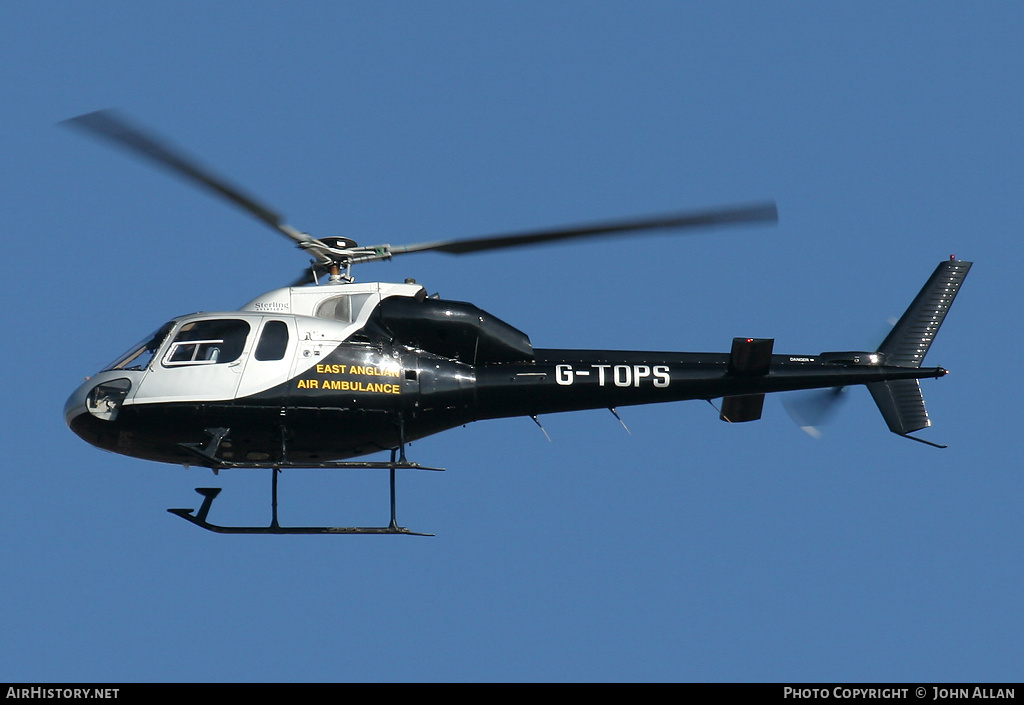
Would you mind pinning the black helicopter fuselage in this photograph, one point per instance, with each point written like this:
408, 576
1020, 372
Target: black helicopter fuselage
375, 368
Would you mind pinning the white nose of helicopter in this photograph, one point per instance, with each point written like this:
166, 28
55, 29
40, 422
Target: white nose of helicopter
100, 396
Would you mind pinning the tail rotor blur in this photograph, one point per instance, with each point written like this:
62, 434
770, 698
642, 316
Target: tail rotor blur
811, 410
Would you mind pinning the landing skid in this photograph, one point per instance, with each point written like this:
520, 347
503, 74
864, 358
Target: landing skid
210, 493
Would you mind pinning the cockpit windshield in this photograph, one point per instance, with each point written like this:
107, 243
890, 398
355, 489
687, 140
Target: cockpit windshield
139, 356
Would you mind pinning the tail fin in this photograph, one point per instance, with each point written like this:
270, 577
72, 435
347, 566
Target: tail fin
900, 401
911, 337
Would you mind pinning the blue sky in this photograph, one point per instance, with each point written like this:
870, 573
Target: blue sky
890, 135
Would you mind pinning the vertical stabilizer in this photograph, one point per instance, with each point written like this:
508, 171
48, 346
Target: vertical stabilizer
901, 401
911, 337
901, 404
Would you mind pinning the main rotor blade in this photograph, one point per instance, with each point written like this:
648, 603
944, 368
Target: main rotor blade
107, 124
757, 213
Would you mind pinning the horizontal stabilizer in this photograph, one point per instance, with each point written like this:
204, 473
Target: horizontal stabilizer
750, 357
740, 408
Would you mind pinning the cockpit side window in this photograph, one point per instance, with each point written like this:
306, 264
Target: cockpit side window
207, 343
273, 341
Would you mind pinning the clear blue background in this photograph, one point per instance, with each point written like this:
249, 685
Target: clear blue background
890, 135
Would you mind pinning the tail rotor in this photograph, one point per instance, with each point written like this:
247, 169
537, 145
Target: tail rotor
811, 410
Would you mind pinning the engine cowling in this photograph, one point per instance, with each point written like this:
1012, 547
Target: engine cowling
454, 329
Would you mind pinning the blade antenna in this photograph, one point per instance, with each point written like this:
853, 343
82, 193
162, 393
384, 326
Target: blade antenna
541, 427
615, 413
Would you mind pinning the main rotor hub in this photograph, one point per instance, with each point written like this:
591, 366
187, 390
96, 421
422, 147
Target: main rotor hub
339, 243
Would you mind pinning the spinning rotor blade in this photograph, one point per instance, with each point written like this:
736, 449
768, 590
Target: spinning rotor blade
757, 213
810, 410
108, 125
333, 254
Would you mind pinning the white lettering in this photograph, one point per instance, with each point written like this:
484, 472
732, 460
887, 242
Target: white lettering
620, 375
563, 374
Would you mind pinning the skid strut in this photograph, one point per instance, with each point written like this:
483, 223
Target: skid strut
210, 493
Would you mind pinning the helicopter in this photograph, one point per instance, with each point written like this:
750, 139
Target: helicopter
319, 375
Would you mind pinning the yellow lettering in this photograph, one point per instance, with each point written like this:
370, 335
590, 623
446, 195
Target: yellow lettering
324, 369
345, 385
